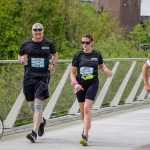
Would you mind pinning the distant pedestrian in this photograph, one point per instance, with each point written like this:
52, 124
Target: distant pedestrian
35, 54
84, 79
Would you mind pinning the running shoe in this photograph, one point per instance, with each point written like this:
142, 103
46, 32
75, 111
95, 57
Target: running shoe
84, 140
83, 131
32, 136
41, 128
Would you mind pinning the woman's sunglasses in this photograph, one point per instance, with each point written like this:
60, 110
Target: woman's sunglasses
85, 42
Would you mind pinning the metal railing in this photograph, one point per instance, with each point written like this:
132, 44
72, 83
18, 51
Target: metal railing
135, 92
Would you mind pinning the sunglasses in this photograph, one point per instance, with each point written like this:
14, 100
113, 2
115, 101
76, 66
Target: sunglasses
40, 29
85, 42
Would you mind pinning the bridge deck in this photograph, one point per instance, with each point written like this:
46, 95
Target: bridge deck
122, 130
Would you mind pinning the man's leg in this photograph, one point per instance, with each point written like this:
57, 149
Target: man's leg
38, 114
36, 107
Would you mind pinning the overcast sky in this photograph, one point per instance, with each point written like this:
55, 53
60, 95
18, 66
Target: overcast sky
145, 7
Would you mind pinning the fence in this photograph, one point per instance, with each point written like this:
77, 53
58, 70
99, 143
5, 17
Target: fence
125, 87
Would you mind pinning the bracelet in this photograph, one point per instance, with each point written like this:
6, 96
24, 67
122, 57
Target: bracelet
74, 82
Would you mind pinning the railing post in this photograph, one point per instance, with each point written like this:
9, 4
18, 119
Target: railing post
104, 90
53, 100
15, 110
120, 91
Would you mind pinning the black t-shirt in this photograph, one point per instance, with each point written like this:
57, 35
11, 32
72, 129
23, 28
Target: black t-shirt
38, 57
87, 65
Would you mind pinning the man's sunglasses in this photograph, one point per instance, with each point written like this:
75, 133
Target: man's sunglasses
85, 42
40, 29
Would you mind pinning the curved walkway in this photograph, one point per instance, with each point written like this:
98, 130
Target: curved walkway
122, 130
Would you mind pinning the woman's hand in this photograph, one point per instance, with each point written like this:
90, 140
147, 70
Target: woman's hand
78, 87
108, 73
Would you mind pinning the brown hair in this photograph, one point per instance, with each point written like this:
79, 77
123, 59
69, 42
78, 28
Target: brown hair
89, 36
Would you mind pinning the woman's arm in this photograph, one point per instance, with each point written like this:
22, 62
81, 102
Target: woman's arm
104, 69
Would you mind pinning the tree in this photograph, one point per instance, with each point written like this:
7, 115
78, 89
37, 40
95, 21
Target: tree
138, 36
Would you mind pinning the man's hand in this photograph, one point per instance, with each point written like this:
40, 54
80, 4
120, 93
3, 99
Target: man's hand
51, 67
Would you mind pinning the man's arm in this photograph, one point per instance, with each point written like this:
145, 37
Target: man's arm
54, 60
19, 57
145, 76
23, 59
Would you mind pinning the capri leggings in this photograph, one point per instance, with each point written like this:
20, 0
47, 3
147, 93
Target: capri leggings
89, 92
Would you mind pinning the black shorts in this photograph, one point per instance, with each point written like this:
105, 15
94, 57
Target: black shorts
89, 92
36, 88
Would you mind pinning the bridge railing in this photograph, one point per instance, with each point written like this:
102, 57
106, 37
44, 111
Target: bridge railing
125, 87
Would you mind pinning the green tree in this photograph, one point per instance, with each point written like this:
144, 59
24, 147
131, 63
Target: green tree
64, 22
138, 36
10, 30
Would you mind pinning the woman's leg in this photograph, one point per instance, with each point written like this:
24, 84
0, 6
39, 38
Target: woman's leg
81, 105
87, 116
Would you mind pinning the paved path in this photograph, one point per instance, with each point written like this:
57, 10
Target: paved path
121, 130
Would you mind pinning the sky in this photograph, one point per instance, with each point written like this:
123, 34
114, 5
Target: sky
145, 7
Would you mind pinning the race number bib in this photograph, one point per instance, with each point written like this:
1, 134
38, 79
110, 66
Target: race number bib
37, 62
87, 73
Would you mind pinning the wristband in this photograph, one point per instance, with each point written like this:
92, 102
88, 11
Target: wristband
74, 82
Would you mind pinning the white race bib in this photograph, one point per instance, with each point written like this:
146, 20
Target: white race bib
37, 62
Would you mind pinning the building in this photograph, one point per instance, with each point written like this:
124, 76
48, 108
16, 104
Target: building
125, 12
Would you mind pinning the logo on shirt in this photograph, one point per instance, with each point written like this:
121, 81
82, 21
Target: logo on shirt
94, 59
44, 47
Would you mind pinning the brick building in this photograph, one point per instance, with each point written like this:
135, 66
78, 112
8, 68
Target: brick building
126, 12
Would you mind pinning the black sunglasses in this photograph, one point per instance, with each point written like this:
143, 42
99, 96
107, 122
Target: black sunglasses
40, 29
85, 42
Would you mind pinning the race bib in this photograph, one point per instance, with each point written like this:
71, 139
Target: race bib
37, 62
87, 73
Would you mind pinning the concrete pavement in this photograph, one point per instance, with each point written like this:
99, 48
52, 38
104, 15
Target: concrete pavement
122, 130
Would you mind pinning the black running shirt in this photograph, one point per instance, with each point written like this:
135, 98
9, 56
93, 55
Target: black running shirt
38, 57
87, 65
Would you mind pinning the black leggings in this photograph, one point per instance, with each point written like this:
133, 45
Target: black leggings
89, 92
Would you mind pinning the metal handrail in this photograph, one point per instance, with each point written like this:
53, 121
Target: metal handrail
11, 118
69, 60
